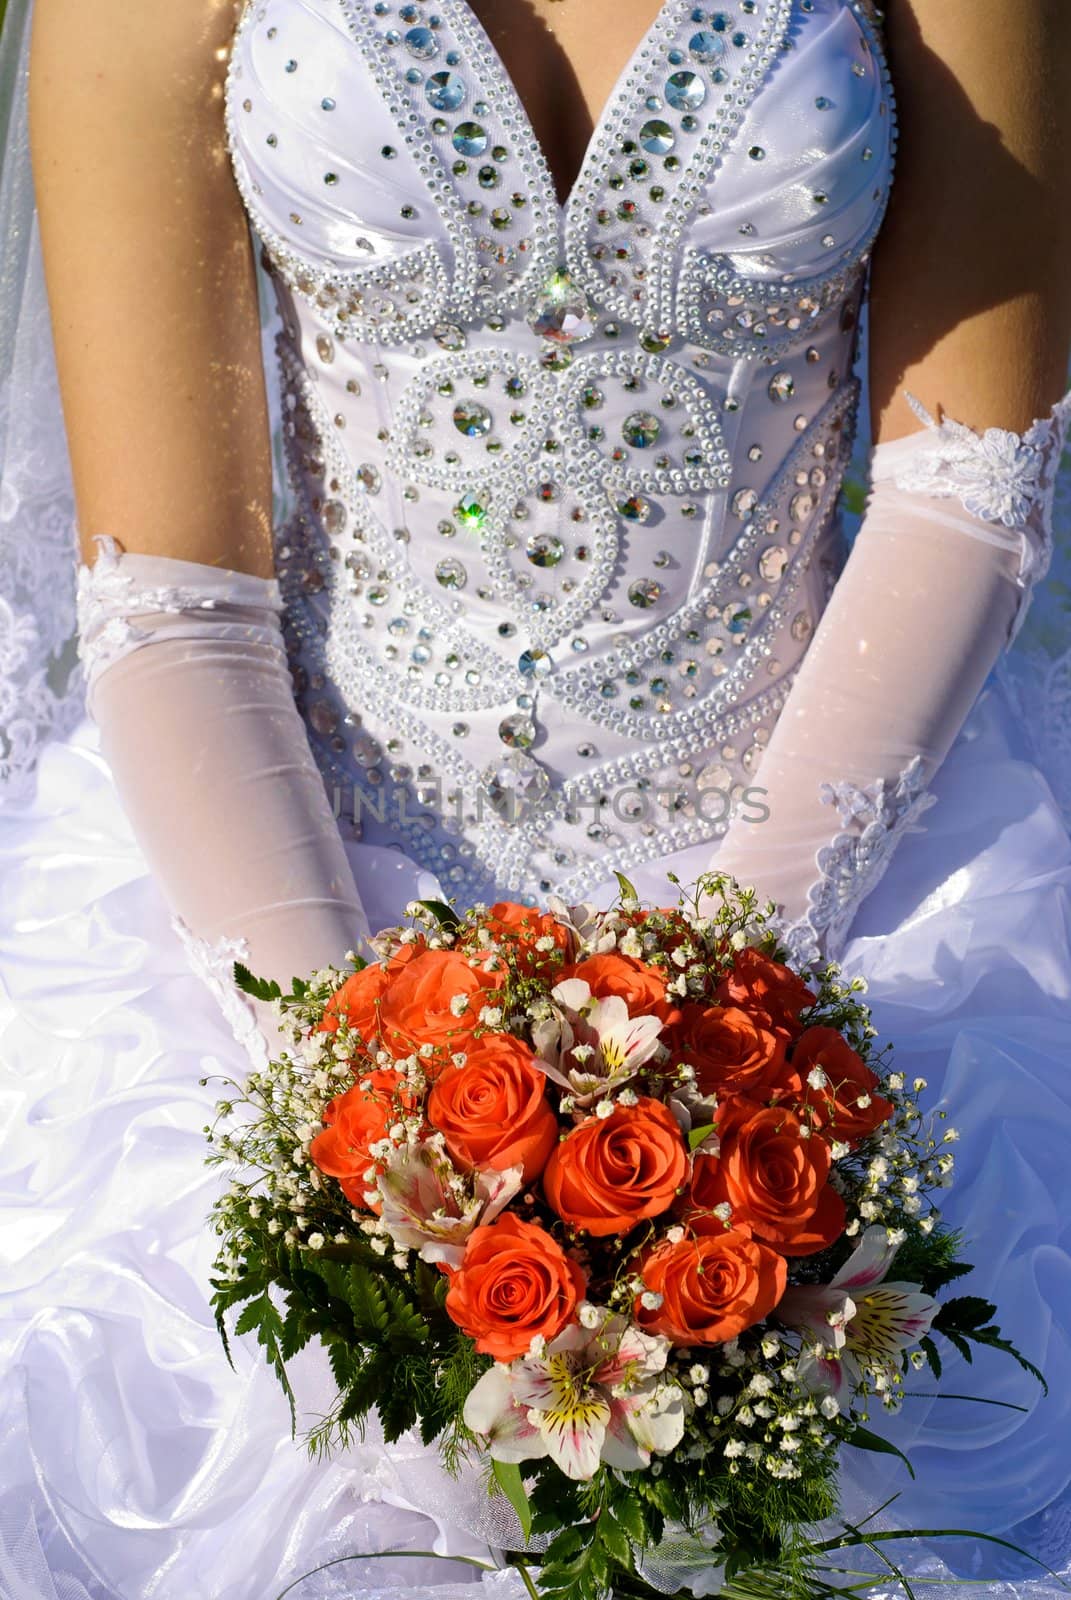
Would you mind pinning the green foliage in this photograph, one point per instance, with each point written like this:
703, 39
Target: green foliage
579, 1565
932, 1354
267, 989
444, 914
863, 1439
508, 1477
260, 988
262, 1314
853, 496
384, 1349
967, 1320
931, 1260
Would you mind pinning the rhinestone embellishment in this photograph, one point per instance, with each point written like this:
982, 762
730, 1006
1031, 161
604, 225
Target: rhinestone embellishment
561, 312
559, 474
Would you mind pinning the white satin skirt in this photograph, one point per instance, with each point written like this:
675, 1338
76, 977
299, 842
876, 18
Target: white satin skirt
135, 1465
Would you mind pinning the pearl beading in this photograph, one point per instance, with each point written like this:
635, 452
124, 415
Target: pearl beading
721, 311
412, 456
771, 40
480, 285
335, 645
352, 654
405, 295
646, 302
382, 660
578, 688
510, 289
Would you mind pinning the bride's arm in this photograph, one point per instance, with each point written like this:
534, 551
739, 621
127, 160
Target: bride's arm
152, 292
971, 283
971, 313
151, 279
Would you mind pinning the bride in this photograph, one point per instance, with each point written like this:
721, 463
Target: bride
520, 566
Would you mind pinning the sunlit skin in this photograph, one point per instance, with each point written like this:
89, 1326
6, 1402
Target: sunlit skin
971, 288
151, 281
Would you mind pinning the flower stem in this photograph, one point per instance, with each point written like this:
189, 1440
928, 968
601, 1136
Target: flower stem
526, 1579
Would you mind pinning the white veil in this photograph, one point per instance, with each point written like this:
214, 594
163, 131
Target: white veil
41, 689
40, 680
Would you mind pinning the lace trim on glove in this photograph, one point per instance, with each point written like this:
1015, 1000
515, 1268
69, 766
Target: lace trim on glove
854, 862
1002, 477
115, 588
214, 965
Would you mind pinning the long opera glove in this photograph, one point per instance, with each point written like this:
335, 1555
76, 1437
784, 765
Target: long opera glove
187, 681
956, 533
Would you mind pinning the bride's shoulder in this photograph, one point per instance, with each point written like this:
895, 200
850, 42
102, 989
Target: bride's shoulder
177, 48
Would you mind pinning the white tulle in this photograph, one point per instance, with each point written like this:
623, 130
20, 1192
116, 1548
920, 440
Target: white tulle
119, 587
956, 534
999, 477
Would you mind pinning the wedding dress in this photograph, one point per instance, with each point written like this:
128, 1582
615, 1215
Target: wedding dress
554, 533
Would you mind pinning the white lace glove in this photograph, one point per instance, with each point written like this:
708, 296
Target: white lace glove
956, 533
188, 683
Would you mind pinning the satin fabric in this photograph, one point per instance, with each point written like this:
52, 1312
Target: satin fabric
153, 1470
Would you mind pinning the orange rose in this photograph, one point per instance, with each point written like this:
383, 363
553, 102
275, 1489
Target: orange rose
731, 1051
355, 1121
417, 1004
358, 1002
612, 1172
761, 985
494, 1110
514, 1282
358, 999
775, 1181
834, 1107
642, 988
713, 1285
518, 927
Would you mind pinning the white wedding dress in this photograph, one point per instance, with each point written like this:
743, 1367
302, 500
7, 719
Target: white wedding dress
586, 641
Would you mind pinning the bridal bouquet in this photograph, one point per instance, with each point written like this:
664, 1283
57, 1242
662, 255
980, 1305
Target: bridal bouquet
614, 1205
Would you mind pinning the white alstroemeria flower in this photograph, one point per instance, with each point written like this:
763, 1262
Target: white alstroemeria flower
586, 923
695, 1110
386, 941
591, 1046
428, 1206
861, 1332
593, 1395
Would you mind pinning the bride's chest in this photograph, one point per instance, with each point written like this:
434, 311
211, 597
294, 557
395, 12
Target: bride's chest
729, 191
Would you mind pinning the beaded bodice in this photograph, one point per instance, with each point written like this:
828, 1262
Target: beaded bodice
565, 475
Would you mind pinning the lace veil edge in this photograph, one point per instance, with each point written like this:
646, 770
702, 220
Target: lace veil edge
41, 694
